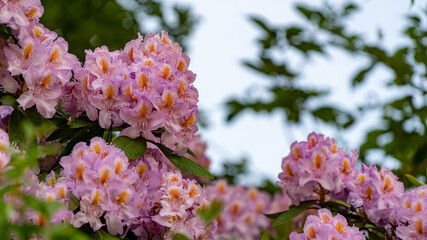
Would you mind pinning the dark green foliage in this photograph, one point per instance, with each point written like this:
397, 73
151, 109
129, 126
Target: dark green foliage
90, 24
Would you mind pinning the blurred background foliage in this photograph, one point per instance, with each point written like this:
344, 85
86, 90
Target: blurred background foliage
404, 120
90, 24
402, 133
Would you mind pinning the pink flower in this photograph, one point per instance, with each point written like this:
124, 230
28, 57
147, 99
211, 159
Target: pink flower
325, 227
376, 191
316, 167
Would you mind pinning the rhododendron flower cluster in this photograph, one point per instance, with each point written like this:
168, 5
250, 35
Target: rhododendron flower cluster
324, 226
376, 191
141, 195
147, 85
316, 167
103, 183
40, 57
170, 202
242, 210
411, 214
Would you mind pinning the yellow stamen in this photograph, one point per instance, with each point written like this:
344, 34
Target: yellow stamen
96, 198
369, 192
235, 208
193, 191
339, 227
181, 87
97, 148
345, 165
318, 160
110, 92
60, 192
104, 65
79, 171
105, 176
142, 168
311, 232
418, 207
168, 100
189, 121
174, 193
54, 56
45, 81
37, 32
166, 72
130, 54
28, 50
143, 111
123, 196
143, 80
289, 170
32, 13
419, 226
119, 167
181, 65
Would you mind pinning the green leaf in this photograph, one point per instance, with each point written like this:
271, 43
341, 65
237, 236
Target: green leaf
179, 236
341, 203
209, 214
74, 203
266, 235
414, 181
287, 216
102, 235
185, 164
79, 123
361, 75
133, 148
8, 100
191, 153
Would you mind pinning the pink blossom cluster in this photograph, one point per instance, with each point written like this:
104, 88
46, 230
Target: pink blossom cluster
324, 226
102, 182
170, 202
376, 191
242, 210
147, 85
141, 195
39, 65
314, 167
411, 214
